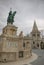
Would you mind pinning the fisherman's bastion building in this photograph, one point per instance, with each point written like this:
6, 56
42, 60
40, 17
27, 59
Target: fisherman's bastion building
37, 39
14, 47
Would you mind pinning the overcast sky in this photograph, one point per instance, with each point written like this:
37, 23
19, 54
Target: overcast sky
27, 12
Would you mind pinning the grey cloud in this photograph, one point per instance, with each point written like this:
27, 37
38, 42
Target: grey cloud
26, 10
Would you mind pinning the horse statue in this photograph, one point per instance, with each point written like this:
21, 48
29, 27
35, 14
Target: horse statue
10, 18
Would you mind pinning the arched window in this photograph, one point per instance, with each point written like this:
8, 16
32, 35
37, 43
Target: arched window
38, 35
34, 35
37, 45
41, 42
42, 45
20, 54
27, 42
33, 42
23, 44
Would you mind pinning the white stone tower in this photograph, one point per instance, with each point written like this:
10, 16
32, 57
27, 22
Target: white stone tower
35, 36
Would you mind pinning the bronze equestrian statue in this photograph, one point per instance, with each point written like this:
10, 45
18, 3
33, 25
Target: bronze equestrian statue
10, 18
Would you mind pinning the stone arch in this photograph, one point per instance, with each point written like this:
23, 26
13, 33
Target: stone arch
42, 45
37, 44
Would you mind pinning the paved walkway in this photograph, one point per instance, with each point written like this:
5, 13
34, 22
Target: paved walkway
40, 59
22, 62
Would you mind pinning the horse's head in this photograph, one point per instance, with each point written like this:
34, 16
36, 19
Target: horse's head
14, 13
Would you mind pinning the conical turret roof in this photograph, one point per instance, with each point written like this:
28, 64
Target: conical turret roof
35, 28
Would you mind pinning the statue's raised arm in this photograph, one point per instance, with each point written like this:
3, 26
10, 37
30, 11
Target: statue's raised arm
10, 18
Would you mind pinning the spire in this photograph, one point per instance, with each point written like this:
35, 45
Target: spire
35, 28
